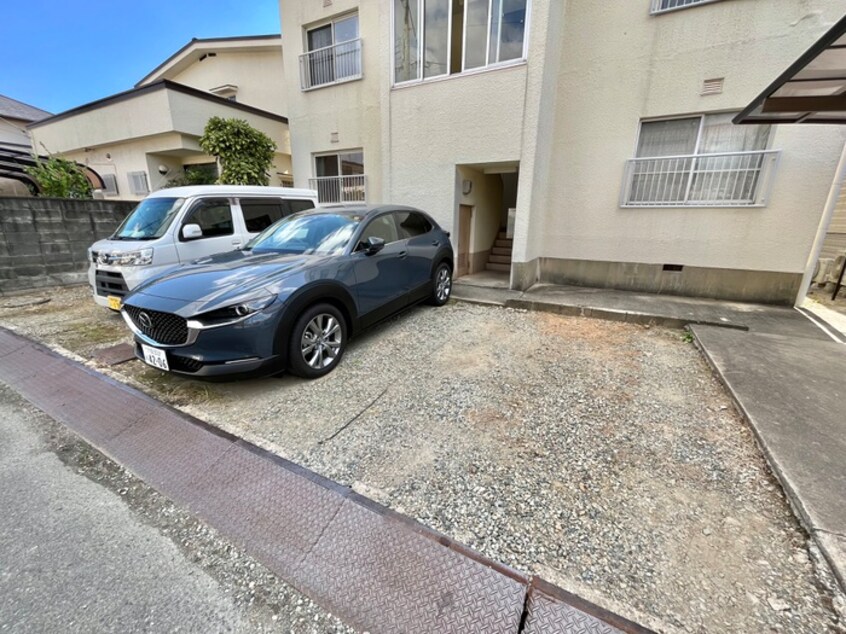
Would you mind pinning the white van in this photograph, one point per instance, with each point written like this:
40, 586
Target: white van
177, 225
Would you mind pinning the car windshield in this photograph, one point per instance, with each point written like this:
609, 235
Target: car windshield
149, 220
324, 234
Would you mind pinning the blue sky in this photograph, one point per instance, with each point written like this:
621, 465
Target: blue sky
58, 54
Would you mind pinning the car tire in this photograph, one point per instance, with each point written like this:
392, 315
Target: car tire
441, 284
317, 342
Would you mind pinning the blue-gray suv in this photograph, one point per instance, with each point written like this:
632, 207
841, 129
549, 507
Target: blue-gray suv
294, 296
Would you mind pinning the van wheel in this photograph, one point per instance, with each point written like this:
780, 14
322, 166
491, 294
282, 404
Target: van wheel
318, 341
441, 285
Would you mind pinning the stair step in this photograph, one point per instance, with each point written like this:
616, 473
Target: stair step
502, 235
501, 251
503, 243
499, 259
498, 267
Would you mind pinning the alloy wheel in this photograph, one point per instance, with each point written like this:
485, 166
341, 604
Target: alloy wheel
443, 284
321, 341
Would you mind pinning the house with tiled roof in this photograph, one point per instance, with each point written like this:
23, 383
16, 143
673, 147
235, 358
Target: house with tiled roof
14, 117
144, 138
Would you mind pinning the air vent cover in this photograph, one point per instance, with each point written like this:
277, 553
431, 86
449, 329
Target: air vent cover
713, 86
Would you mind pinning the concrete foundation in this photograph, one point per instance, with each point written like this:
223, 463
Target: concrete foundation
770, 287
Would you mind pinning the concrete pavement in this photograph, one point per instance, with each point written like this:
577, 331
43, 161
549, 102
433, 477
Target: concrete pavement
645, 308
793, 393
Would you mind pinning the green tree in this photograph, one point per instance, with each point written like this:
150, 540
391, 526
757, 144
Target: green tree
245, 154
60, 178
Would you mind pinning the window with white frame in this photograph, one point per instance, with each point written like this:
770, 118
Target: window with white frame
661, 6
339, 177
334, 53
699, 161
433, 38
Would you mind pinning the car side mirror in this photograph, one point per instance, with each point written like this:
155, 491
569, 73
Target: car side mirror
191, 232
373, 245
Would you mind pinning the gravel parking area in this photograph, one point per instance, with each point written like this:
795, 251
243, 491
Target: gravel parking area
601, 455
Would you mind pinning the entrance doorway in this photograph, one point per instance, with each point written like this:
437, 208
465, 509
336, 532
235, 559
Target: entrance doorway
486, 196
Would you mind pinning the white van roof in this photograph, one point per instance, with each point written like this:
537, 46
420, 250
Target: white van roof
232, 190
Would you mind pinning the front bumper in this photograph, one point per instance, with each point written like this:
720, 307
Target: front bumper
118, 281
245, 347
189, 366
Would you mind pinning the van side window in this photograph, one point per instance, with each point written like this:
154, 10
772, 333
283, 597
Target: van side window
295, 205
260, 213
412, 224
214, 216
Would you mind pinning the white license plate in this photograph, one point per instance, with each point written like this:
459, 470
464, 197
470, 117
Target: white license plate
155, 357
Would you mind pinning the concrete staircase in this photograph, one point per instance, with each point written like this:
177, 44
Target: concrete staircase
500, 257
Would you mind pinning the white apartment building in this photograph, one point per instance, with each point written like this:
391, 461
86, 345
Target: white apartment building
603, 129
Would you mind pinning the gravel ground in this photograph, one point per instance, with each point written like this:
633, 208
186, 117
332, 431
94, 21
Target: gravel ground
603, 456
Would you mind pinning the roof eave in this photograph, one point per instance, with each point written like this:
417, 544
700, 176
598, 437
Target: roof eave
183, 52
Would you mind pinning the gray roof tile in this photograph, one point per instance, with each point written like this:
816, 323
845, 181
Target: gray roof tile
13, 109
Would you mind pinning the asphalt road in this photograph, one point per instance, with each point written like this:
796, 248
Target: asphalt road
76, 557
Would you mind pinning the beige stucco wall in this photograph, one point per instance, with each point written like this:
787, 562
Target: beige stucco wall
171, 150
437, 125
144, 115
259, 76
354, 110
653, 66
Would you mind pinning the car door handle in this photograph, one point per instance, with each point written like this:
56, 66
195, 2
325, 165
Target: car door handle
436, 243
236, 243
402, 255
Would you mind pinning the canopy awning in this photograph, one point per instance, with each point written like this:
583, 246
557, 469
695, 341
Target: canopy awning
812, 90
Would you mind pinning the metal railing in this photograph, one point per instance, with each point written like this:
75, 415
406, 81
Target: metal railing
340, 189
731, 179
661, 6
331, 65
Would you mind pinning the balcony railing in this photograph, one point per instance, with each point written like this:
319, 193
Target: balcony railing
662, 6
331, 65
340, 189
731, 179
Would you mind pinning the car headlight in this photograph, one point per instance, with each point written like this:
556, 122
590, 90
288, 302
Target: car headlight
231, 314
133, 258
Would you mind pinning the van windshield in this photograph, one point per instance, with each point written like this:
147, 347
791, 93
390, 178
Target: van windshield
149, 220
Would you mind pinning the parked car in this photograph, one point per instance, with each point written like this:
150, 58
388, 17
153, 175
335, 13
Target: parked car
180, 224
292, 298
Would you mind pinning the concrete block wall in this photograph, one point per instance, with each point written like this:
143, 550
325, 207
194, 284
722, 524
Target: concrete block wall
44, 241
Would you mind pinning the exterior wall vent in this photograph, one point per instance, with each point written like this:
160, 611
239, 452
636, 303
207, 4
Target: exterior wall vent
673, 267
138, 183
110, 185
713, 86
